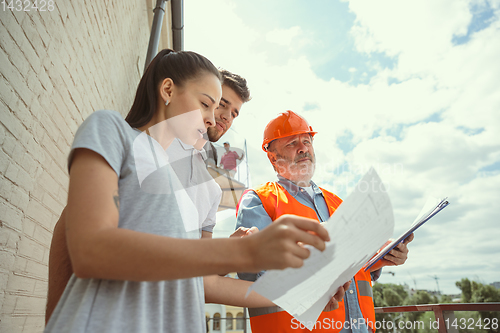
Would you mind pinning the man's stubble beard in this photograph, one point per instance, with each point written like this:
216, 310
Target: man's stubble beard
213, 134
297, 175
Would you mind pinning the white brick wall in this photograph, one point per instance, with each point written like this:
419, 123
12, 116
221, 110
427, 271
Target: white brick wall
55, 69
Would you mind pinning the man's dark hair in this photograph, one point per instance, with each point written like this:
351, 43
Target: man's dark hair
237, 83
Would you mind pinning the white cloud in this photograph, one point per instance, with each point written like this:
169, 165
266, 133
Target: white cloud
419, 27
458, 82
283, 37
213, 29
421, 33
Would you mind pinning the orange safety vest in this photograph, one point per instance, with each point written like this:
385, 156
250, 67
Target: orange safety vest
277, 201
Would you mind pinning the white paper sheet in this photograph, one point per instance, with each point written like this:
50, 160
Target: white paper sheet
359, 227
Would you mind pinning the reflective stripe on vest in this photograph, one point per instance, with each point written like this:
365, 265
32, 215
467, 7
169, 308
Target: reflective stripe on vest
253, 312
365, 289
277, 201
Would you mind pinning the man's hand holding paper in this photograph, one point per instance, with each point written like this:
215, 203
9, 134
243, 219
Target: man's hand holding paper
333, 304
396, 256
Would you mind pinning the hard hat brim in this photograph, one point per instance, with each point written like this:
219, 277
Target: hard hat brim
266, 143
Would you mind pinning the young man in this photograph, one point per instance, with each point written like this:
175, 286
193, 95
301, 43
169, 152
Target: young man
288, 142
234, 93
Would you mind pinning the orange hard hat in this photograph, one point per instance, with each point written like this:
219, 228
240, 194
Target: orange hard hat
285, 124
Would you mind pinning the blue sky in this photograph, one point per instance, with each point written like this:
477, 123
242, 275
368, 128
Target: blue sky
482, 16
410, 88
325, 26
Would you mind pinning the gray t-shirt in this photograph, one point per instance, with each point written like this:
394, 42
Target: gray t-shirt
94, 305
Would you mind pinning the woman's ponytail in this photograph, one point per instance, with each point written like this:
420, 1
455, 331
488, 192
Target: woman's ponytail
180, 66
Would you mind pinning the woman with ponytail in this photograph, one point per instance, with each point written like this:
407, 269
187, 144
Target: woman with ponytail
132, 231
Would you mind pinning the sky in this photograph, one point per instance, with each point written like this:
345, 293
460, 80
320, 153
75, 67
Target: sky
408, 87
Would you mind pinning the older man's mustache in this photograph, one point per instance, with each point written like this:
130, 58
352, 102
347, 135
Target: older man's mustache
302, 156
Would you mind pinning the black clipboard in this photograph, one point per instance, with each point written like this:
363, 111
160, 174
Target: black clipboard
417, 224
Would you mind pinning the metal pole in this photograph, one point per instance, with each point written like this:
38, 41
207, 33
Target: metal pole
246, 155
154, 39
178, 24
245, 315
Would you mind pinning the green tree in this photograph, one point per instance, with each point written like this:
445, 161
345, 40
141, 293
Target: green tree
391, 297
465, 286
482, 293
472, 292
388, 294
395, 294
445, 299
420, 297
476, 292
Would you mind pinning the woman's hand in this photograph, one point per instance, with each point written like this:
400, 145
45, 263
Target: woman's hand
279, 245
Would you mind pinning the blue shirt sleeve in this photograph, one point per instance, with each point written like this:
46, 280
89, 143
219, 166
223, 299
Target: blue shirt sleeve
251, 213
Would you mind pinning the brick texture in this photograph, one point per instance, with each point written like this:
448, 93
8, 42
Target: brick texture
56, 68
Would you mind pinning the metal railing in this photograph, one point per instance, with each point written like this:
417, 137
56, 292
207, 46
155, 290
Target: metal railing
446, 321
